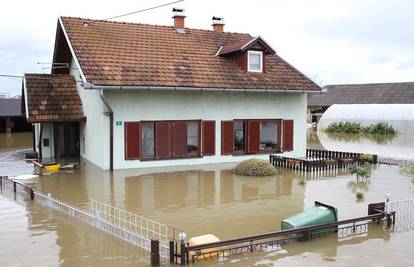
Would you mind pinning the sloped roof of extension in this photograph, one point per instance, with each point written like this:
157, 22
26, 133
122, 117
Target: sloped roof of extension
10, 107
374, 93
52, 98
139, 55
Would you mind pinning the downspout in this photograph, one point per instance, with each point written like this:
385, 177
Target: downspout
109, 113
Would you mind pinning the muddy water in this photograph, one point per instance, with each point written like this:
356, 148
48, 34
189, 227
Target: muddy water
199, 200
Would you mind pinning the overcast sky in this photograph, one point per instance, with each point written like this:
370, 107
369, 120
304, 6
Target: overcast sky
349, 41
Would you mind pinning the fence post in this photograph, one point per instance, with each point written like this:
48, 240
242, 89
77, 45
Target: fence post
388, 209
31, 194
155, 252
172, 251
49, 199
14, 187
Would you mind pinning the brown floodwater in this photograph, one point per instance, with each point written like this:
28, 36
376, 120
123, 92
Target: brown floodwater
199, 200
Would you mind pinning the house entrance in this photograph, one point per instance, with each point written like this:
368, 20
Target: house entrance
66, 139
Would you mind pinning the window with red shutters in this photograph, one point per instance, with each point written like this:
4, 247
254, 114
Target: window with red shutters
253, 136
132, 140
162, 140
209, 138
180, 139
226, 137
288, 135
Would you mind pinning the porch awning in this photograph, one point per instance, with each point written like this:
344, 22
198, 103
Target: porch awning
52, 98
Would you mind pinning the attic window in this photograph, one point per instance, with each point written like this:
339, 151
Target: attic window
255, 61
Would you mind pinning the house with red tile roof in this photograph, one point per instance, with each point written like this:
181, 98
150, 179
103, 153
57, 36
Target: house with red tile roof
128, 95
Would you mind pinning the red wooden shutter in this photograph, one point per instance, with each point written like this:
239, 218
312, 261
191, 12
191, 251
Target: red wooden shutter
227, 137
132, 138
162, 140
253, 136
180, 139
287, 135
209, 138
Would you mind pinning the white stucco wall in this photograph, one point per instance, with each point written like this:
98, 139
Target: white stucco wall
184, 105
95, 131
47, 133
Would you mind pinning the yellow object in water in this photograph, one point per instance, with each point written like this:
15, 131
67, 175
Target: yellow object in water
205, 239
51, 168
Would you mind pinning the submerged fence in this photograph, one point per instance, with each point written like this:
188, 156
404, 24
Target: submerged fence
322, 160
134, 229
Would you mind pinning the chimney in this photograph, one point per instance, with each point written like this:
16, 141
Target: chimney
218, 24
179, 17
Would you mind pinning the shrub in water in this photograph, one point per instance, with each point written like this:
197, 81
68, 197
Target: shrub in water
255, 167
360, 195
363, 171
381, 128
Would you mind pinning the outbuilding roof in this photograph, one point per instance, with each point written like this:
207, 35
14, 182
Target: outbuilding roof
10, 107
373, 93
130, 54
52, 98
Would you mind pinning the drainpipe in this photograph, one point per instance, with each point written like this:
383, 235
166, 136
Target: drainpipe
110, 114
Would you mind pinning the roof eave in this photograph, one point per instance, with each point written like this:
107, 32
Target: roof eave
196, 89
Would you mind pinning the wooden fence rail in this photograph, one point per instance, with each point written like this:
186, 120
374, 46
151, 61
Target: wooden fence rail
322, 160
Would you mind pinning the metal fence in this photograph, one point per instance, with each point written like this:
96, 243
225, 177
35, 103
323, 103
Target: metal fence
404, 208
127, 226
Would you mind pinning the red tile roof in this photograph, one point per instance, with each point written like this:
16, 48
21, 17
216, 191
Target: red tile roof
129, 54
52, 98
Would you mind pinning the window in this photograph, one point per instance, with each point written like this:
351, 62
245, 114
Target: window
251, 136
193, 129
166, 140
268, 135
238, 133
255, 61
147, 140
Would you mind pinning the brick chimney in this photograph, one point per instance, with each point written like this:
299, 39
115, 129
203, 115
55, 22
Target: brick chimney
218, 24
179, 18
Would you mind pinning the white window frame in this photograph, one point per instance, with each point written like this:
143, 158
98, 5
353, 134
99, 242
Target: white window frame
260, 53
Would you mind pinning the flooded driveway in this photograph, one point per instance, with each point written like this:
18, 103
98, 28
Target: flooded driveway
199, 200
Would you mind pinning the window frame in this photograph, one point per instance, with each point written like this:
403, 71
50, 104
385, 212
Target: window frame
172, 156
253, 52
278, 143
244, 151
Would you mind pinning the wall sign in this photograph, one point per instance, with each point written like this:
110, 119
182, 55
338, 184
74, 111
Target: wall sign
118, 123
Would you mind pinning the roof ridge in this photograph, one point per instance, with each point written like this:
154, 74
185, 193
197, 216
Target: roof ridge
148, 24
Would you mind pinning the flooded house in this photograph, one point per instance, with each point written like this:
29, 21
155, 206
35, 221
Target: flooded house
128, 95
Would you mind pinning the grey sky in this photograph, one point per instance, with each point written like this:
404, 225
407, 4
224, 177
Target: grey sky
331, 41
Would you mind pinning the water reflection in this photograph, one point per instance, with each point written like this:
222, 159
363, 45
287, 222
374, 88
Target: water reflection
399, 147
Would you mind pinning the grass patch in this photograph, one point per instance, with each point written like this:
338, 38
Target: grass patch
255, 167
380, 128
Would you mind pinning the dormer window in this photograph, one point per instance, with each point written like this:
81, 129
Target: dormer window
255, 61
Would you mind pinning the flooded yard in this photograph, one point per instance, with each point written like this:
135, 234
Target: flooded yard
200, 200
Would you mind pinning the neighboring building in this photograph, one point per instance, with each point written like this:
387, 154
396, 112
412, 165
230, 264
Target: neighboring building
11, 117
138, 95
372, 93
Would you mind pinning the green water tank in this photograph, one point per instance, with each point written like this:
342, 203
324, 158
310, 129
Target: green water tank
318, 214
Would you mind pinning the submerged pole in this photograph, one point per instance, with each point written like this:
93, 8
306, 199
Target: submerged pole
155, 252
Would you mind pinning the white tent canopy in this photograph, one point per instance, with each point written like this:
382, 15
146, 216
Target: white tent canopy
400, 116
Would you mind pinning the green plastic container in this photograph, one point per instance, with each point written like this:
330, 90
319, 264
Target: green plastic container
318, 214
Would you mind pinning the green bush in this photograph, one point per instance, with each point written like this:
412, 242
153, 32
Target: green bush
255, 167
363, 171
380, 128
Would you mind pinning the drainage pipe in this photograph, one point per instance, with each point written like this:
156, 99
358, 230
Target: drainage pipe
110, 114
